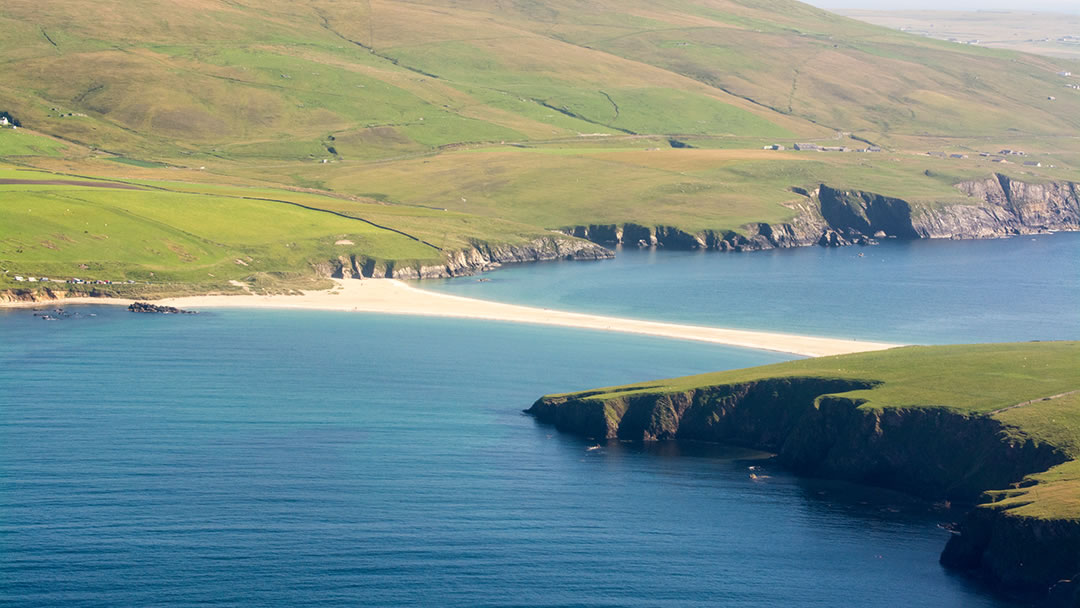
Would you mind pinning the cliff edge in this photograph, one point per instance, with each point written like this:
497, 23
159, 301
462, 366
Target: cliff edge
996, 206
977, 431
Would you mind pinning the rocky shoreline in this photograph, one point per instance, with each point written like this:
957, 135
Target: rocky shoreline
480, 257
825, 216
1013, 552
832, 217
906, 449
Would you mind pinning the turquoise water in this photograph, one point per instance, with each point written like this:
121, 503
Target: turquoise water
928, 292
279, 458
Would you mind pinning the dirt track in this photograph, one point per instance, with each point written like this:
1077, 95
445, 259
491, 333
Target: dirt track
63, 182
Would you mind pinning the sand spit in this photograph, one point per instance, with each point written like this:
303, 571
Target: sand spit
396, 297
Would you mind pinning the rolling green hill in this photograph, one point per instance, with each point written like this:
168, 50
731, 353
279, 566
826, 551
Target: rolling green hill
517, 118
215, 77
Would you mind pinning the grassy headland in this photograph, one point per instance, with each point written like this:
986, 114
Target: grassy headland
969, 379
1000, 420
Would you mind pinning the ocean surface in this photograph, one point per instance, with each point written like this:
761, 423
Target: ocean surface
925, 292
284, 458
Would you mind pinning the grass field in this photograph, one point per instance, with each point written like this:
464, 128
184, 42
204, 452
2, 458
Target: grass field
971, 380
18, 142
694, 189
456, 121
167, 233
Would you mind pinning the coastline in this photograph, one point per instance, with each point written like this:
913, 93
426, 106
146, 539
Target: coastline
388, 296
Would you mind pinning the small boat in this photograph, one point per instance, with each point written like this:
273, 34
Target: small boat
592, 448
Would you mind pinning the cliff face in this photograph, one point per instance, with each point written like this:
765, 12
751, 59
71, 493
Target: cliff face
815, 432
831, 217
913, 450
480, 257
1019, 552
1009, 207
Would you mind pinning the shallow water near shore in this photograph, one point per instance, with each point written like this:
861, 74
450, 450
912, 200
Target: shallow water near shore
295, 458
925, 292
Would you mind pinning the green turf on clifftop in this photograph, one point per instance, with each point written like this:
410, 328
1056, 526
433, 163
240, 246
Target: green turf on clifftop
1032, 388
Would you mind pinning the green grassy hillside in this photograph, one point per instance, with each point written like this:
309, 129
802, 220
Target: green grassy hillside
516, 118
217, 78
172, 235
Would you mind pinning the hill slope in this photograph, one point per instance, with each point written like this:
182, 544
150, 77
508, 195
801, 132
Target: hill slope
547, 115
212, 76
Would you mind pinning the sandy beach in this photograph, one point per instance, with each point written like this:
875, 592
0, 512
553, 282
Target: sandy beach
396, 297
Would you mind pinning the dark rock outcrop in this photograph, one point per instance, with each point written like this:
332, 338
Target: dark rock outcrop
157, 309
815, 433
832, 217
1019, 552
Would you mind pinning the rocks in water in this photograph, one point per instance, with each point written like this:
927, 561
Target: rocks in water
832, 238
154, 308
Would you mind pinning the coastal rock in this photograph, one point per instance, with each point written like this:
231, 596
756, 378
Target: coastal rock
1019, 552
833, 217
29, 295
816, 434
147, 307
479, 257
45, 294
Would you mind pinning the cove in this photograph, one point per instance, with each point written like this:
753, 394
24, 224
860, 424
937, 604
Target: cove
924, 292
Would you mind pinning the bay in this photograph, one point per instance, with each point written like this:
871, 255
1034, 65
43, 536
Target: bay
285, 458
910, 292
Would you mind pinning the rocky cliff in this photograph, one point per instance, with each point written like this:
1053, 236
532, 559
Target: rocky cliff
1019, 552
479, 257
816, 432
828, 216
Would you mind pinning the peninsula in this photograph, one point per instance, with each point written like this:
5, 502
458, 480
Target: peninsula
994, 424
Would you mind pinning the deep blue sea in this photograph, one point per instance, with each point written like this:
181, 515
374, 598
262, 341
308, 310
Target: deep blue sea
282, 458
